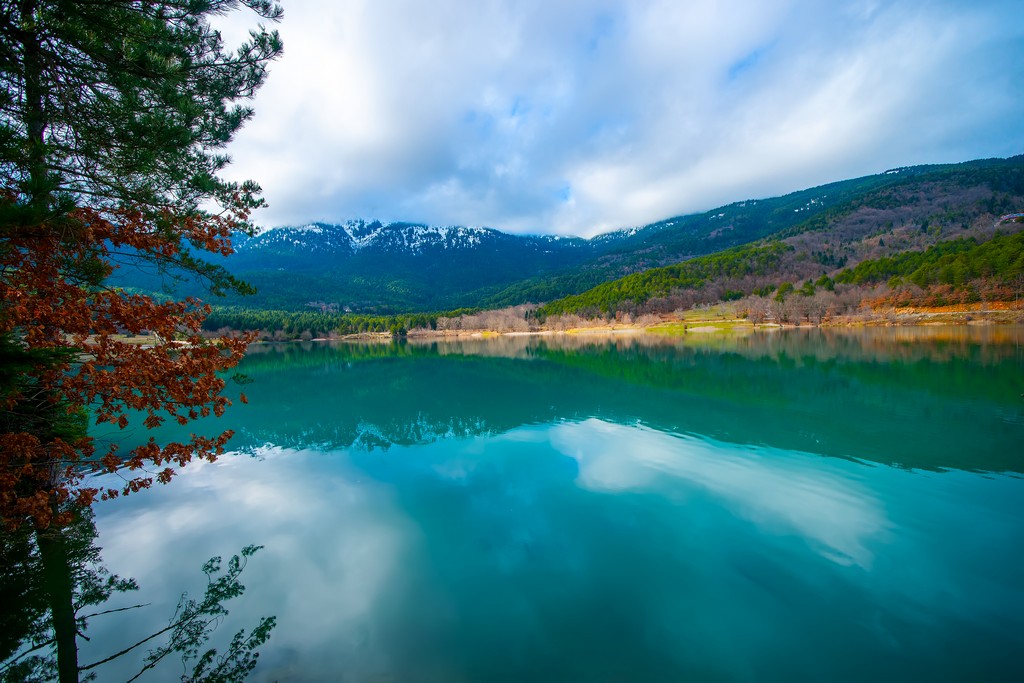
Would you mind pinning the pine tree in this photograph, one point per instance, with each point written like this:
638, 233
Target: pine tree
113, 119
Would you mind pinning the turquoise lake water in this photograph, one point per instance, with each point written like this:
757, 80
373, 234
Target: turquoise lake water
806, 505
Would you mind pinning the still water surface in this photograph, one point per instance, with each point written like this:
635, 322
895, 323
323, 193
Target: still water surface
791, 506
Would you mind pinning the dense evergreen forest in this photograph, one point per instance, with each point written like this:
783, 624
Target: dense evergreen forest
955, 262
734, 263
310, 324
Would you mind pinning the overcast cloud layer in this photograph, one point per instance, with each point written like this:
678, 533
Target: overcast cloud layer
580, 116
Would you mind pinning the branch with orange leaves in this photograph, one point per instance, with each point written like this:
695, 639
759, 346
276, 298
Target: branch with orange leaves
53, 299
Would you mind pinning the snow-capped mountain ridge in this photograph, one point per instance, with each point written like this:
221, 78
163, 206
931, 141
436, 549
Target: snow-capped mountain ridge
355, 236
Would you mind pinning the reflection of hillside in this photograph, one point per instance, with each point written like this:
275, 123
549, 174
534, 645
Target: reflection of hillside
906, 344
941, 343
767, 364
927, 399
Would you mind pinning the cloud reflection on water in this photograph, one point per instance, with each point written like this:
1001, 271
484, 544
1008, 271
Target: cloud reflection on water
771, 488
333, 541
577, 550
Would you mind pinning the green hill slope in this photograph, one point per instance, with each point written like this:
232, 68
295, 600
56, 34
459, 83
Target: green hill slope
929, 226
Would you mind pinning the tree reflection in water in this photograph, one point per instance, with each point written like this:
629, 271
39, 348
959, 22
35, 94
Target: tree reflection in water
54, 583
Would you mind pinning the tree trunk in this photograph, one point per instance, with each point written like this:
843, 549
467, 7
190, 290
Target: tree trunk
59, 584
53, 552
34, 114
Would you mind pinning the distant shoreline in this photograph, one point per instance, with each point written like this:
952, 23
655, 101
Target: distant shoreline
693, 322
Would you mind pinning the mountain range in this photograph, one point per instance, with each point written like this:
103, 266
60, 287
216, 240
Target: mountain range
379, 267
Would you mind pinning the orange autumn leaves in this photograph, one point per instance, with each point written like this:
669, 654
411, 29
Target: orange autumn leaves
51, 281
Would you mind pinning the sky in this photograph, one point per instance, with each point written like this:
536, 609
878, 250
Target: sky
583, 116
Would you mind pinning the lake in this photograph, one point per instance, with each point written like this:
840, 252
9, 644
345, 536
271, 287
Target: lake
810, 505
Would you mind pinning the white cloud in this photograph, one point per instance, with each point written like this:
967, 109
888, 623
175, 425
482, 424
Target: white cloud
580, 116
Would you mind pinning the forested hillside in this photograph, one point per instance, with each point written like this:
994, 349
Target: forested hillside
945, 197
379, 268
768, 280
943, 236
956, 262
731, 264
376, 269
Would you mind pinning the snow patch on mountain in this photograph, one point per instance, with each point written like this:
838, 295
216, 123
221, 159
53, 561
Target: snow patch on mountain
401, 238
358, 235
615, 235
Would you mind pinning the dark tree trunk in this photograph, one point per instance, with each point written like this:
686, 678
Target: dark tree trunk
34, 114
59, 584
